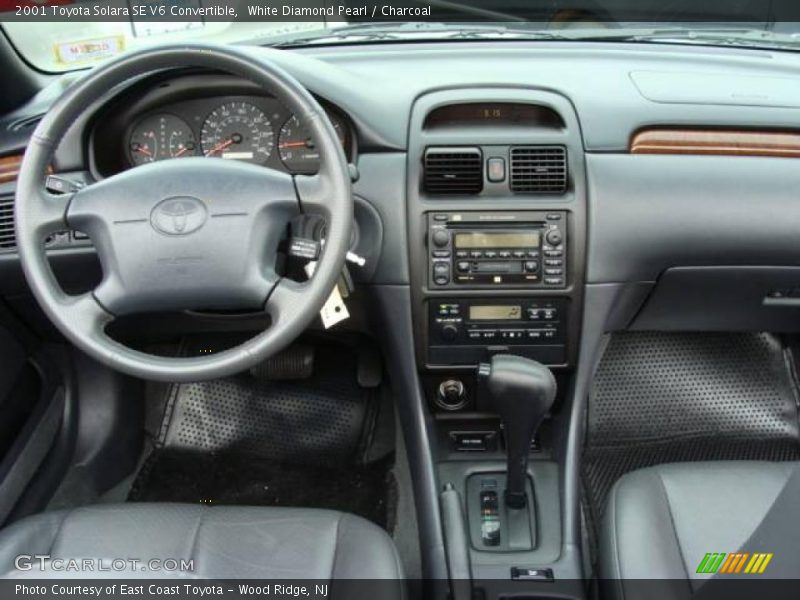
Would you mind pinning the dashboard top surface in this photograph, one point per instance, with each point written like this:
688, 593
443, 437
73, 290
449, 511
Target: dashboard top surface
616, 89
613, 91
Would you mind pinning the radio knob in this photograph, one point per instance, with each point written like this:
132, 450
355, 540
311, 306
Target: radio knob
554, 237
449, 332
441, 238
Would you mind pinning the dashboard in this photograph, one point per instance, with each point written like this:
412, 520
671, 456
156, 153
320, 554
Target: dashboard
183, 117
641, 226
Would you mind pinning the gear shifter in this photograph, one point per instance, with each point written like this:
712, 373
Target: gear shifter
522, 391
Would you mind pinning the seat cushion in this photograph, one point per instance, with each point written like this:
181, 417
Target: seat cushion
660, 522
224, 542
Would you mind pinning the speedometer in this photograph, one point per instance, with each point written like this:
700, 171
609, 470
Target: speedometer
239, 131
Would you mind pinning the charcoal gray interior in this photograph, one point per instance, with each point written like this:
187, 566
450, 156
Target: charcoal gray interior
570, 362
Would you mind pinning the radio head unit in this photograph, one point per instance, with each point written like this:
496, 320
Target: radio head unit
497, 249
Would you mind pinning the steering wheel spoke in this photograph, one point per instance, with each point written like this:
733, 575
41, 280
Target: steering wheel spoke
286, 298
48, 211
313, 191
85, 312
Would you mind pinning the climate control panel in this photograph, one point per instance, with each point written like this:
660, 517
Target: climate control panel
467, 331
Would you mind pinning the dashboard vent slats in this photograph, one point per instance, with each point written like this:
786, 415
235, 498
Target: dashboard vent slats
25, 123
453, 171
7, 237
538, 169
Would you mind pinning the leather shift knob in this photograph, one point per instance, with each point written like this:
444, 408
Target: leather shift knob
522, 392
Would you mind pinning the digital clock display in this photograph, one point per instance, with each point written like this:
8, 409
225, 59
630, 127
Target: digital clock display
497, 240
493, 113
495, 312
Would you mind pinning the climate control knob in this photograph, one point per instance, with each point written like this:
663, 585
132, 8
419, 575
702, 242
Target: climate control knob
449, 332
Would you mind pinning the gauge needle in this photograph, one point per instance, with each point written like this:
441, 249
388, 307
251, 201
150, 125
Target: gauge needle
293, 145
180, 152
219, 147
144, 150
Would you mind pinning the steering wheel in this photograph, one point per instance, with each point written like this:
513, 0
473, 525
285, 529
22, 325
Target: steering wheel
197, 233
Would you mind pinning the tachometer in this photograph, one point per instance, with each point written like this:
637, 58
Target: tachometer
240, 131
158, 137
297, 150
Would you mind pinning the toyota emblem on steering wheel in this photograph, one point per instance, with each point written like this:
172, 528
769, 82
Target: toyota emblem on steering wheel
179, 216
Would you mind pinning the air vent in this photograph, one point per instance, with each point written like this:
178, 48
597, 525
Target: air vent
453, 171
7, 238
25, 123
538, 169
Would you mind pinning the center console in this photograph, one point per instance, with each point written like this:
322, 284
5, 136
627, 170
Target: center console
497, 235
508, 250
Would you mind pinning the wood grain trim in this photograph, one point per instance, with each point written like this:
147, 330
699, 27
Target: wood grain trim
9, 168
719, 142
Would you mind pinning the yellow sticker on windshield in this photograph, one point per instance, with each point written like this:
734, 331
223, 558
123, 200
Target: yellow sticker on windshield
86, 51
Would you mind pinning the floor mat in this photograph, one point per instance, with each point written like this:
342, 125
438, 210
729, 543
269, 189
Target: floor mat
322, 420
309, 443
663, 397
240, 479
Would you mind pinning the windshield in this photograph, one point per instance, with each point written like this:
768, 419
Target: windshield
62, 35
64, 46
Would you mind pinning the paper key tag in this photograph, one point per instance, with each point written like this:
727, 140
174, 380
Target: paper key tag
334, 310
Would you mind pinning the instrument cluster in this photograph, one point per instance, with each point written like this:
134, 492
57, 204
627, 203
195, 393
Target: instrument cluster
254, 129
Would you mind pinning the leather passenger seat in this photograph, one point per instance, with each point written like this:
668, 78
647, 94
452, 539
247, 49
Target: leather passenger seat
660, 523
224, 542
